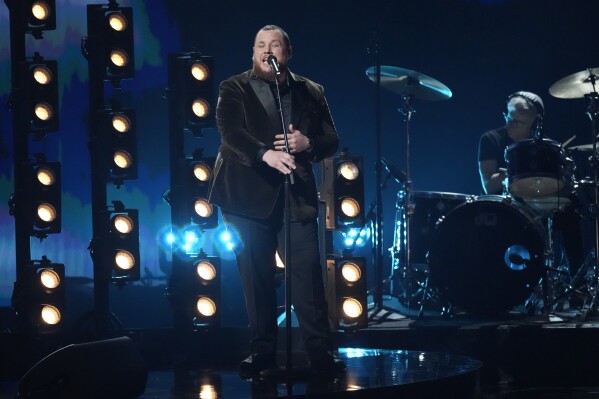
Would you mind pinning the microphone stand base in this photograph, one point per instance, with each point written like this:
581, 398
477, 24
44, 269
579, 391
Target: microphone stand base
285, 374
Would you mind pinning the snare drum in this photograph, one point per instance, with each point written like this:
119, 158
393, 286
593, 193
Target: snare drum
538, 168
487, 255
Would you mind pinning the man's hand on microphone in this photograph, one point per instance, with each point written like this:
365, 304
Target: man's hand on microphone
297, 141
279, 160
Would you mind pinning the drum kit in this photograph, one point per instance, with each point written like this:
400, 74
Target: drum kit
492, 253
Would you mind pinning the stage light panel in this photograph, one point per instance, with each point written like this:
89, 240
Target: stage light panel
39, 298
205, 290
40, 95
192, 91
122, 244
347, 292
44, 198
40, 16
199, 172
118, 127
343, 192
111, 41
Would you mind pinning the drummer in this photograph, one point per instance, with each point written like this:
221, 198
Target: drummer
523, 107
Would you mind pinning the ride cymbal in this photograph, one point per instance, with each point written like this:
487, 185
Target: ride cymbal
576, 85
410, 83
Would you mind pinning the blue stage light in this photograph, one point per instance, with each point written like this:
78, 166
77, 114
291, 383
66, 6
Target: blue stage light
167, 237
355, 237
191, 237
170, 238
225, 237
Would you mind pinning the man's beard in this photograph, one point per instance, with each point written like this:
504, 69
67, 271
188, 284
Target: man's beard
268, 76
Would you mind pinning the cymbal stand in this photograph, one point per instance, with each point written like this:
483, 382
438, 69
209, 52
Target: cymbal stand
373, 48
593, 112
407, 111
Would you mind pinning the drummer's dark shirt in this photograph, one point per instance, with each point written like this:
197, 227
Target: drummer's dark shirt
492, 145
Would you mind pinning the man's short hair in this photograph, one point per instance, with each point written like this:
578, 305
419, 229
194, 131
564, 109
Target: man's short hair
275, 27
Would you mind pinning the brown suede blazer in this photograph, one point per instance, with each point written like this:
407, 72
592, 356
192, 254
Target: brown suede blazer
248, 120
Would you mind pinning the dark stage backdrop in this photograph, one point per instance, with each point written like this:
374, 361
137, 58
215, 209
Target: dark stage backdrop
482, 50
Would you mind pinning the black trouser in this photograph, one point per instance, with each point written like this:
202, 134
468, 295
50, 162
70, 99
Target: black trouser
256, 263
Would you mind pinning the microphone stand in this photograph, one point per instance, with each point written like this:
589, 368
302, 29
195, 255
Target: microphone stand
287, 371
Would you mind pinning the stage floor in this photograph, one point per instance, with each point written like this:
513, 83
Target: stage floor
513, 355
370, 373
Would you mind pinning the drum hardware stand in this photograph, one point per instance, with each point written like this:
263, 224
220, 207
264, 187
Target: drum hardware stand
408, 84
407, 111
583, 84
577, 282
549, 293
549, 267
384, 284
593, 112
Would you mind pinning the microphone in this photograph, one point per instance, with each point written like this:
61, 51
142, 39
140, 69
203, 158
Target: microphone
397, 174
272, 61
538, 127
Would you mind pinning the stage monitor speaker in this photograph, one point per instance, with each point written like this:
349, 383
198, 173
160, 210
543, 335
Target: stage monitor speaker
111, 368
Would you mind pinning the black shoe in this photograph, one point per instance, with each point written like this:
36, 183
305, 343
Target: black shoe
255, 363
327, 363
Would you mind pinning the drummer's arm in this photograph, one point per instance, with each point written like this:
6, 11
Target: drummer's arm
491, 176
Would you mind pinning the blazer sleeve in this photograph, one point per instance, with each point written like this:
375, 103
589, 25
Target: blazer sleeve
232, 123
327, 142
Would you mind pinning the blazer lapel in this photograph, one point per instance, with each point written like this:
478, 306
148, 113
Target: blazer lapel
267, 100
299, 102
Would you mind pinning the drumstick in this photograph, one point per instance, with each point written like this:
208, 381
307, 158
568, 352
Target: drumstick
565, 143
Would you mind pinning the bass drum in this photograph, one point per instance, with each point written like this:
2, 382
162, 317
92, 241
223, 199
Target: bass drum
487, 255
428, 208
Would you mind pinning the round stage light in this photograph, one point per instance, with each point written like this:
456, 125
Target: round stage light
203, 208
206, 270
200, 71
44, 111
40, 10
200, 108
117, 21
206, 306
348, 170
202, 171
350, 207
352, 308
42, 74
49, 278
50, 315
45, 176
124, 259
121, 123
122, 159
46, 212
351, 272
119, 58
123, 224
208, 391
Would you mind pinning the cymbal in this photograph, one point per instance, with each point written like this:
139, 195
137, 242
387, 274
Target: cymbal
576, 85
410, 83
